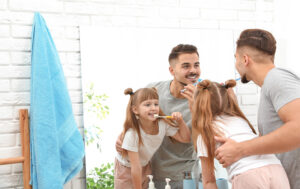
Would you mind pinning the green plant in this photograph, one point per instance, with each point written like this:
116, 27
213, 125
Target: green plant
101, 178
95, 110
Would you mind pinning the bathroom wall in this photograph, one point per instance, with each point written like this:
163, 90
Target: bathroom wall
64, 18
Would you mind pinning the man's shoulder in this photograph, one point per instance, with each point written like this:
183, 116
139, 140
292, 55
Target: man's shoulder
280, 78
281, 87
282, 74
159, 84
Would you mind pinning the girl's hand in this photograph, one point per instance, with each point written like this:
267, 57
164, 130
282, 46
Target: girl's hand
177, 116
183, 134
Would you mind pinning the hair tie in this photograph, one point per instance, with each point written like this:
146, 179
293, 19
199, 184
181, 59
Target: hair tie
224, 85
199, 86
131, 93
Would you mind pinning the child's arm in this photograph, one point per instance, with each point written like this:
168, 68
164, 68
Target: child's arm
183, 134
136, 169
208, 175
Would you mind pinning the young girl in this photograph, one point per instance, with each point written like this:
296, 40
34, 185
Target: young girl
215, 113
143, 133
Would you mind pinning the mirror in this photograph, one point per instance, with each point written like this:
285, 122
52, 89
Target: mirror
115, 58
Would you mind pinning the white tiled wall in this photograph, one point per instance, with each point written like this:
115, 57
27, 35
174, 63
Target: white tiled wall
64, 17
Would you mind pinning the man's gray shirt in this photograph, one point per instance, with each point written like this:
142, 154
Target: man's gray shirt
279, 88
172, 158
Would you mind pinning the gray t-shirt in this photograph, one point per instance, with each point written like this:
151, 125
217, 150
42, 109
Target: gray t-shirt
172, 158
280, 87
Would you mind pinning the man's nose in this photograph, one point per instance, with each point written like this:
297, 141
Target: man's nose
193, 70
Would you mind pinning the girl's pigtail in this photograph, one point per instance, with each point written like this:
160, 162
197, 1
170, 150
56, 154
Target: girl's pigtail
230, 83
130, 120
202, 119
234, 107
128, 91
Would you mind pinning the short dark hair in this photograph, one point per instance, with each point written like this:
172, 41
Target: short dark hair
182, 49
259, 39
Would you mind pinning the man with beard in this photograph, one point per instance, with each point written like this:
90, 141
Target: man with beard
279, 108
173, 158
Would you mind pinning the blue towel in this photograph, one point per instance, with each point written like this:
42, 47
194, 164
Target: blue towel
57, 148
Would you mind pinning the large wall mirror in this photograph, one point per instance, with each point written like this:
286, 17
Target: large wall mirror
114, 59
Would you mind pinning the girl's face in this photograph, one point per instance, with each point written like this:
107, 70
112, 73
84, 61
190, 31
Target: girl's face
146, 109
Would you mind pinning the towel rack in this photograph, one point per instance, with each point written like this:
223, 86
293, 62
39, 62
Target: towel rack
25, 142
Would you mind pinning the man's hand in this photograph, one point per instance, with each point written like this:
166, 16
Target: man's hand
119, 144
189, 94
229, 152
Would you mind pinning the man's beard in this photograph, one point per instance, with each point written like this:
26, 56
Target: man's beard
185, 84
244, 79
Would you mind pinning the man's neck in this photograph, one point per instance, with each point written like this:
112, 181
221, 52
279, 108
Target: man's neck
260, 72
175, 88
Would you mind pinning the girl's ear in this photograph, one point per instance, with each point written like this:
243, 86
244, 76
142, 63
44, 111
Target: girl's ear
134, 109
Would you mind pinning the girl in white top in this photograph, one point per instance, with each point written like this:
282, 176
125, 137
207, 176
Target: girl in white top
215, 113
142, 135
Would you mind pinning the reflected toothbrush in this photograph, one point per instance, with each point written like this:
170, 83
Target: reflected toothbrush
199, 80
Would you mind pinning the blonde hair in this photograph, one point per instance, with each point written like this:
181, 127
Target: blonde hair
211, 99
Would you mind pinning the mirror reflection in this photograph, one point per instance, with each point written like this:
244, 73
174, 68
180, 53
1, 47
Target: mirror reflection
114, 59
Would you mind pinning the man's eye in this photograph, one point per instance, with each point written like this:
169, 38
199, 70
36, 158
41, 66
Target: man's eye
156, 104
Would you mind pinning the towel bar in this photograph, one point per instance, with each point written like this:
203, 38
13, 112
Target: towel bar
25, 142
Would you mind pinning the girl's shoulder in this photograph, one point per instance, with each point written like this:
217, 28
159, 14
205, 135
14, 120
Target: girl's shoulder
225, 119
131, 136
232, 124
131, 132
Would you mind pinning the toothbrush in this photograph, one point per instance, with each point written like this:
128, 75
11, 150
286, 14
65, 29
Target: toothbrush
199, 80
158, 116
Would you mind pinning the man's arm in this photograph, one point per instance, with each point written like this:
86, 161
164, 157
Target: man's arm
283, 139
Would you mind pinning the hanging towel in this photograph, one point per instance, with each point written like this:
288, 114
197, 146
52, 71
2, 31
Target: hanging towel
57, 148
